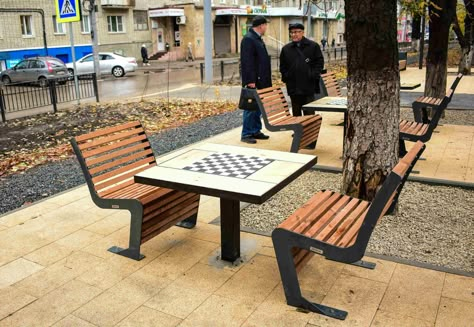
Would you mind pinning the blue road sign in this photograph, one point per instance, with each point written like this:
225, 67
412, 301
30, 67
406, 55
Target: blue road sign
67, 11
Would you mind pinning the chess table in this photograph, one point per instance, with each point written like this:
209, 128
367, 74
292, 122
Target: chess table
331, 104
234, 174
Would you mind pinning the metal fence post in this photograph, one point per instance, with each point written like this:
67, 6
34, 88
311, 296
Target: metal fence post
342, 53
201, 67
2, 107
222, 70
52, 93
96, 88
335, 53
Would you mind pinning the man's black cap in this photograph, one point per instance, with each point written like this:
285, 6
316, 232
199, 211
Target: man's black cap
296, 26
259, 20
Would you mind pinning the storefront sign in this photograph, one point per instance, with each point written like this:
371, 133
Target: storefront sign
168, 12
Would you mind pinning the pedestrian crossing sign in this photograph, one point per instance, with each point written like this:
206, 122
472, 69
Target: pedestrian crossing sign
67, 11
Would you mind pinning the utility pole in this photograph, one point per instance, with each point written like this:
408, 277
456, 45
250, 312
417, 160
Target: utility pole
90, 7
308, 9
208, 78
422, 38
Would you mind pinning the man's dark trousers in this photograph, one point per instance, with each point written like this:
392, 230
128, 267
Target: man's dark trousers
298, 101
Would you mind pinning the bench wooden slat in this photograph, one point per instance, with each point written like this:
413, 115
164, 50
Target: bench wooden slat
108, 139
121, 161
106, 131
146, 161
117, 145
93, 161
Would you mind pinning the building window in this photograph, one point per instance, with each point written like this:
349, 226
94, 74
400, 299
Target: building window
115, 24
235, 2
59, 28
222, 1
26, 25
140, 20
86, 24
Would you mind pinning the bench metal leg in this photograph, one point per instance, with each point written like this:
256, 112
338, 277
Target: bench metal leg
230, 230
290, 281
364, 264
188, 223
402, 150
295, 145
133, 251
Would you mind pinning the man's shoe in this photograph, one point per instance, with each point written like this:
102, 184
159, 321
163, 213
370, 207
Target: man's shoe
248, 139
261, 136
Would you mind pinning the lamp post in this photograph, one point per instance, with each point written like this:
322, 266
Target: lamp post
90, 5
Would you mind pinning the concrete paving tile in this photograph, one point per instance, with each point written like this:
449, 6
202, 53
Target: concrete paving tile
79, 239
69, 197
59, 273
180, 258
13, 299
254, 282
112, 306
209, 210
99, 248
318, 277
49, 254
177, 301
459, 288
203, 278
382, 273
147, 317
110, 224
387, 319
225, 312
54, 306
274, 312
30, 212
414, 292
358, 296
3, 227
455, 313
206, 232
111, 271
73, 321
17, 270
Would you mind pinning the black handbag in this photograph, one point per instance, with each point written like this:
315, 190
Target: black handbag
247, 99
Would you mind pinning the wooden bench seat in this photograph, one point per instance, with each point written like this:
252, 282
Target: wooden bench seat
277, 117
109, 159
330, 85
336, 226
421, 105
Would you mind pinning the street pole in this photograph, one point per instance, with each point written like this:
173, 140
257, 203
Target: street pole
76, 84
422, 39
208, 78
94, 38
309, 20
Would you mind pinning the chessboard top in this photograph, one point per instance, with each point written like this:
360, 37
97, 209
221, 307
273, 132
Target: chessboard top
328, 104
231, 172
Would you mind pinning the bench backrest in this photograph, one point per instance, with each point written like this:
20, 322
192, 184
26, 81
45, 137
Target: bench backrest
387, 195
110, 157
272, 104
331, 85
455, 85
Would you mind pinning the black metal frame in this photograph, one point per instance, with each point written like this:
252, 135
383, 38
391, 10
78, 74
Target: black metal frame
134, 206
296, 128
285, 240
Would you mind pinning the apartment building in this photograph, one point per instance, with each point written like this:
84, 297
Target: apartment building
163, 25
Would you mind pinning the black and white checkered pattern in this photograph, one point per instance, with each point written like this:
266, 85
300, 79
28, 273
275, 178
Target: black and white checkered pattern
228, 164
342, 102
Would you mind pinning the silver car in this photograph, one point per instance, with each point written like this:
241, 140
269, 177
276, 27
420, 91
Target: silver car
36, 70
109, 63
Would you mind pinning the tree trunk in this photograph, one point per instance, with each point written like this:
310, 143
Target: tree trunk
371, 145
416, 32
467, 48
441, 16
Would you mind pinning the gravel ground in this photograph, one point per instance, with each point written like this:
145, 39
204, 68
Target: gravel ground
55, 177
428, 228
453, 117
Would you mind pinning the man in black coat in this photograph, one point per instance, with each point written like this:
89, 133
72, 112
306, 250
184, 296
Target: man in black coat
301, 62
256, 73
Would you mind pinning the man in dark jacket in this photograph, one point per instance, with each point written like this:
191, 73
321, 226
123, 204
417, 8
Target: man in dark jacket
144, 53
301, 62
256, 73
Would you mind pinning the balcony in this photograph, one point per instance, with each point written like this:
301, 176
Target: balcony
117, 3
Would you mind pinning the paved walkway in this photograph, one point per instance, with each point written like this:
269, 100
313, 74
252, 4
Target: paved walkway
55, 270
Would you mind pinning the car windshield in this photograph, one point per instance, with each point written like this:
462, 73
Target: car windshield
56, 63
119, 55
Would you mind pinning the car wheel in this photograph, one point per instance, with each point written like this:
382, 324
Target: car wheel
43, 81
118, 71
6, 80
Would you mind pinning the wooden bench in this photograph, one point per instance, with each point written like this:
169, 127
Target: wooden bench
277, 117
330, 85
109, 159
421, 104
337, 227
414, 131
402, 60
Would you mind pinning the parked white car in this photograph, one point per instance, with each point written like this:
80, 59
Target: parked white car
109, 63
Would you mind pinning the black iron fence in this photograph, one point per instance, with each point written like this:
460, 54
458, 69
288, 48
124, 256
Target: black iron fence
26, 96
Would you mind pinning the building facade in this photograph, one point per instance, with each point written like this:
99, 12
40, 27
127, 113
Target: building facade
165, 26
